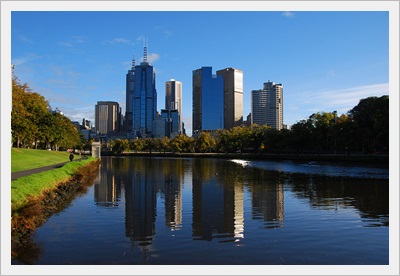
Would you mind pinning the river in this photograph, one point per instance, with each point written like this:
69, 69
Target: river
188, 211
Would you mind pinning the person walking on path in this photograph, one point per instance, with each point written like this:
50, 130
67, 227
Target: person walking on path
71, 157
16, 175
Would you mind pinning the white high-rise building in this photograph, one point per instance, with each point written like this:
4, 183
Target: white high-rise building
267, 105
173, 99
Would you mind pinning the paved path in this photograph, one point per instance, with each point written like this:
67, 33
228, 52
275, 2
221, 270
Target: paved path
17, 175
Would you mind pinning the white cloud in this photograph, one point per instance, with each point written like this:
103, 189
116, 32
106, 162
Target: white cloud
351, 96
151, 57
288, 14
141, 38
120, 40
78, 113
24, 39
340, 100
167, 33
25, 59
73, 41
65, 44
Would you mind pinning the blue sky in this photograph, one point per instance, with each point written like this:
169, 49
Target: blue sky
325, 60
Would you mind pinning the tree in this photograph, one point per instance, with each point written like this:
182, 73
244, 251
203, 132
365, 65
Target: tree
371, 123
182, 143
163, 143
120, 146
28, 110
149, 144
136, 144
204, 142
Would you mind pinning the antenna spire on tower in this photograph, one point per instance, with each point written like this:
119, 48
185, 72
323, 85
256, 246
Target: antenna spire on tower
145, 51
133, 61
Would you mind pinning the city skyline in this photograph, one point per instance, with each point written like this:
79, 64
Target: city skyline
324, 67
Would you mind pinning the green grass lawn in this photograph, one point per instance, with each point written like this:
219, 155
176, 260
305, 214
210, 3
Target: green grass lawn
25, 159
34, 185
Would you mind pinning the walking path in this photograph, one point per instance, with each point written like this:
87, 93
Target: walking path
20, 174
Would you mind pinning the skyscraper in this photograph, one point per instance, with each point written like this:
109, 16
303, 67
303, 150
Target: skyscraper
233, 96
130, 85
267, 105
173, 99
107, 117
208, 100
141, 98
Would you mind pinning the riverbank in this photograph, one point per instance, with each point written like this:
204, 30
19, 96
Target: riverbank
380, 159
33, 211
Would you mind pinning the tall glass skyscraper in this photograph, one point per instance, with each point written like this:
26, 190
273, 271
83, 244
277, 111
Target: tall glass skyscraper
142, 99
267, 105
208, 100
130, 85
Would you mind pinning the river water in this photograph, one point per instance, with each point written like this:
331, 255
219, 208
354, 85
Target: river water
185, 211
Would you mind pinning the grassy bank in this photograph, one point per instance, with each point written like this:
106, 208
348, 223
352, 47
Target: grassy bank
25, 159
32, 186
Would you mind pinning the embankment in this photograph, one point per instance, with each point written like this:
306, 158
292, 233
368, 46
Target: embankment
27, 218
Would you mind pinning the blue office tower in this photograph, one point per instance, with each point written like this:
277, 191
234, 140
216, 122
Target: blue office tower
144, 100
208, 100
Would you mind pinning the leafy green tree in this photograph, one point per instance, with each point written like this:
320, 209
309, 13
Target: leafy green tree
120, 146
149, 144
371, 123
301, 133
182, 143
163, 143
204, 142
258, 138
28, 109
322, 123
136, 144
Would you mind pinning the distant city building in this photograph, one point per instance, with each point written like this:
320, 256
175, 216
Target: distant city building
233, 96
208, 100
248, 120
173, 99
107, 117
267, 105
173, 125
86, 123
141, 98
159, 126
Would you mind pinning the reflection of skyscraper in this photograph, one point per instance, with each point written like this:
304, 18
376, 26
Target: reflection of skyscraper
217, 206
107, 190
140, 197
239, 211
268, 202
172, 189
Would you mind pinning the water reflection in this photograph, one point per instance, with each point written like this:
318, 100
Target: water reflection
268, 204
369, 196
107, 190
217, 202
216, 206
